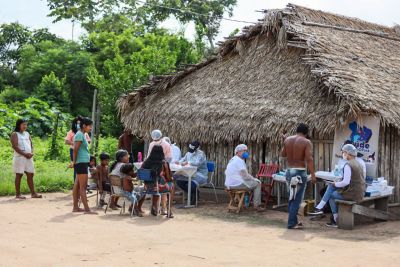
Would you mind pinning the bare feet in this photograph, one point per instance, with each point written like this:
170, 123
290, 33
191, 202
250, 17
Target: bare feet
35, 195
78, 210
20, 197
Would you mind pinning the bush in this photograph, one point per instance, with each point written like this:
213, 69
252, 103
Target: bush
108, 145
38, 113
11, 95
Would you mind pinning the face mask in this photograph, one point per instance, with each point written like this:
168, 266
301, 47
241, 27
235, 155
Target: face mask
344, 156
191, 150
245, 155
78, 127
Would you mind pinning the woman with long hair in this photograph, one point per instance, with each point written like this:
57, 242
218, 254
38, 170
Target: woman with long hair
161, 175
80, 162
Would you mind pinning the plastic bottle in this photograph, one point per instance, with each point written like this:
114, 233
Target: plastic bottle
246, 200
140, 157
336, 171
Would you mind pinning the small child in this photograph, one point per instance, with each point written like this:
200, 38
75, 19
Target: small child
92, 174
103, 181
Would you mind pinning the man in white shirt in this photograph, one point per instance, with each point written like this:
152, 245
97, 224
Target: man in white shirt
237, 176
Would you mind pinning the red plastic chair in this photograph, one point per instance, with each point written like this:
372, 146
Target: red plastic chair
265, 174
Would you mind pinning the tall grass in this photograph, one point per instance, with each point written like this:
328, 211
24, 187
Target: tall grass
50, 176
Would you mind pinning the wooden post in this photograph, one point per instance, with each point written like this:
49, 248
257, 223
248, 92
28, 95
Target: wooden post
345, 217
93, 119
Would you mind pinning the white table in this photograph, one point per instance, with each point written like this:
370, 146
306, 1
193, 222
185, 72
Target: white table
282, 179
325, 177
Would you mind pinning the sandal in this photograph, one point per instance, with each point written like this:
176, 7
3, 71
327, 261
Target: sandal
20, 197
298, 226
170, 216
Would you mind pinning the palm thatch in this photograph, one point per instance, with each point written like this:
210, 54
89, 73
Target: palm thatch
295, 65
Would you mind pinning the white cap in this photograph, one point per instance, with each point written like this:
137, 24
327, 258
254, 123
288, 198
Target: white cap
166, 139
240, 147
350, 149
156, 135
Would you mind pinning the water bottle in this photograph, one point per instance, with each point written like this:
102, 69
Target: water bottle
246, 200
139, 156
336, 171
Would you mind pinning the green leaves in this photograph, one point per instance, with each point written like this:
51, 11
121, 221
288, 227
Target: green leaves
38, 113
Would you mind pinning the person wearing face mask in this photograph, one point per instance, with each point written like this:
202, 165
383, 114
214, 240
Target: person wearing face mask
237, 176
351, 187
194, 157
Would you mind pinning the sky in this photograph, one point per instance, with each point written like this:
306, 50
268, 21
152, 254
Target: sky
33, 13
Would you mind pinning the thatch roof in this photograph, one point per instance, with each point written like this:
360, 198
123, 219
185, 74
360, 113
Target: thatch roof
295, 65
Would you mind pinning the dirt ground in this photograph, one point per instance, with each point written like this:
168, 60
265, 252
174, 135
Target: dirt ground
45, 233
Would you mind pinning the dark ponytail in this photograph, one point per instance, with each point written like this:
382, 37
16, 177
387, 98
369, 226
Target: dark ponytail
85, 121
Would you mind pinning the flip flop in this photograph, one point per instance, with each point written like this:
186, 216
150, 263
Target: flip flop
20, 197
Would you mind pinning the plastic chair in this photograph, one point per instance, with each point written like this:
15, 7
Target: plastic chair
145, 176
116, 191
265, 174
210, 183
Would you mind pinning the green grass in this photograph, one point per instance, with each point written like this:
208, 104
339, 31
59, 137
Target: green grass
50, 176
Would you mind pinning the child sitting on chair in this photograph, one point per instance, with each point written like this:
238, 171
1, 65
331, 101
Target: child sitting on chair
123, 169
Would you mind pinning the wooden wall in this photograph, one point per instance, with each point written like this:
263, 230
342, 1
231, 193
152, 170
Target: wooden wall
265, 152
388, 161
389, 158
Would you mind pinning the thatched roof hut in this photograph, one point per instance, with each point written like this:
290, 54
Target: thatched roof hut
295, 65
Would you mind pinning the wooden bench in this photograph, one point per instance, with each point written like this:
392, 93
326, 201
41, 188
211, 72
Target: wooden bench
348, 209
236, 197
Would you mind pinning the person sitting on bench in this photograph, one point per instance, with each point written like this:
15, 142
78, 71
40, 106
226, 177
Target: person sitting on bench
237, 176
352, 187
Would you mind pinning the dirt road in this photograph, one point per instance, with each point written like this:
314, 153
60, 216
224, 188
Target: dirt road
45, 233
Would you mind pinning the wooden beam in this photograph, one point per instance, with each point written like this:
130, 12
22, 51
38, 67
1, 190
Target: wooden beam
378, 214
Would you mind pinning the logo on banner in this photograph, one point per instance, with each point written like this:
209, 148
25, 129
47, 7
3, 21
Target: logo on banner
360, 137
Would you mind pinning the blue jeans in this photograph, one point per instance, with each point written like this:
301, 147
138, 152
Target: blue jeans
328, 193
335, 195
130, 195
294, 205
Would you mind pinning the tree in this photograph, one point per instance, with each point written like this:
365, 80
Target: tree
68, 61
206, 14
53, 91
124, 61
87, 11
12, 38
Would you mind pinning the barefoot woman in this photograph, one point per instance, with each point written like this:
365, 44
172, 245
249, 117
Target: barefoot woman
80, 163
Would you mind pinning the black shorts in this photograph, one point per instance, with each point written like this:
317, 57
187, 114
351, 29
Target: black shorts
82, 168
106, 186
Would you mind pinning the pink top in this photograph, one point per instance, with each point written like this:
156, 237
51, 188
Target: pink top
166, 148
70, 137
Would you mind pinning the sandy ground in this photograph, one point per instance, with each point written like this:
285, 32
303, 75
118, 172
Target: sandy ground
45, 233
